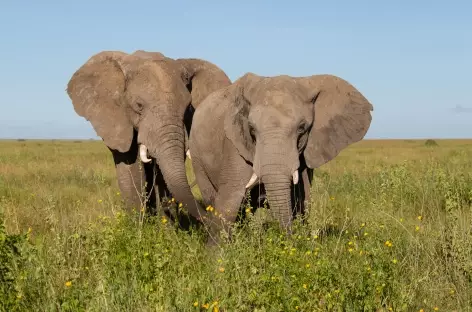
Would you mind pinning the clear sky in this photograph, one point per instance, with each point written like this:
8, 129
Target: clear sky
411, 59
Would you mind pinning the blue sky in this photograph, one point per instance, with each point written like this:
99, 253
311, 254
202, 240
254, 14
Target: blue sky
411, 59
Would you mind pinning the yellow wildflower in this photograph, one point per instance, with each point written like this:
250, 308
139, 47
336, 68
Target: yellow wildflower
365, 234
308, 252
99, 201
209, 208
350, 250
221, 269
307, 265
248, 210
363, 224
388, 243
172, 199
195, 304
118, 193
420, 217
164, 220
305, 286
436, 309
394, 261
180, 205
417, 228
332, 198
68, 284
205, 306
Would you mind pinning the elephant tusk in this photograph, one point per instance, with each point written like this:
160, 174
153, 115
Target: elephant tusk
252, 180
188, 154
143, 153
295, 177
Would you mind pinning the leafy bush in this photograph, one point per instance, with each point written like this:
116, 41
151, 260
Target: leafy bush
12, 263
430, 143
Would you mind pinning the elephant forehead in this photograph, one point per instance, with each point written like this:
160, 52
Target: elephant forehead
151, 74
274, 115
273, 90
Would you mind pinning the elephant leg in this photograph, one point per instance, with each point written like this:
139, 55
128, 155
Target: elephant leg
188, 118
233, 177
131, 176
307, 182
302, 191
207, 190
258, 196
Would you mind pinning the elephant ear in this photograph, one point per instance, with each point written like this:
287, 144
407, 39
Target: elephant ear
201, 78
236, 120
96, 90
341, 117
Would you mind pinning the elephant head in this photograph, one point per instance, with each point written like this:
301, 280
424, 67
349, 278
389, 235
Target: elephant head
275, 122
143, 97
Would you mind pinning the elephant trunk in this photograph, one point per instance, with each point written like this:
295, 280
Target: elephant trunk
278, 186
167, 146
277, 163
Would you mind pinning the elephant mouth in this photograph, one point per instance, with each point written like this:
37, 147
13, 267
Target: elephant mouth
143, 154
254, 178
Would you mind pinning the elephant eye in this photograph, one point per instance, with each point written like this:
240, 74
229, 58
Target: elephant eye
139, 106
252, 132
301, 127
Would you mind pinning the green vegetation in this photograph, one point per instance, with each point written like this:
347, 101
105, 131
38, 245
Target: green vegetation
430, 142
389, 229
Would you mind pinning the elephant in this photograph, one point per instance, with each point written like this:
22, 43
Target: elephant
143, 103
272, 132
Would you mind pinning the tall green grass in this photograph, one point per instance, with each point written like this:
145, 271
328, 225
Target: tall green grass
389, 228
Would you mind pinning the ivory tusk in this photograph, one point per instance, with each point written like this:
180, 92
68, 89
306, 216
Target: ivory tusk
188, 154
143, 153
252, 180
295, 177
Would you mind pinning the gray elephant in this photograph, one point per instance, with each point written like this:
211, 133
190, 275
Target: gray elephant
142, 103
272, 131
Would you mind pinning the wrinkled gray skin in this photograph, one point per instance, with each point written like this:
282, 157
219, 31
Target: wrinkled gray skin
146, 99
277, 129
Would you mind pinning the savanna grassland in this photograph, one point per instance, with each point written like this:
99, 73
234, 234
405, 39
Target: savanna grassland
389, 229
